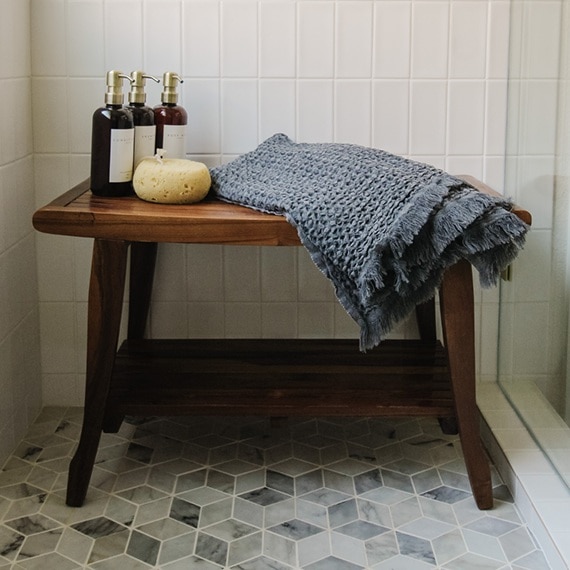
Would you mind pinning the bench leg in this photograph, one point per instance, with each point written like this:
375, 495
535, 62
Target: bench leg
106, 291
456, 300
143, 261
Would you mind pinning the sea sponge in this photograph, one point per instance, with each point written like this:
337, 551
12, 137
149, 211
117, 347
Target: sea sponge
171, 180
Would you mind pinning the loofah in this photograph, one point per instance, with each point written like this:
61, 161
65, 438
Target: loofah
171, 180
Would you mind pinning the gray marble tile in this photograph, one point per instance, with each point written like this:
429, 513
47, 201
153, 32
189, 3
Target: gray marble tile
415, 547
239, 493
296, 529
185, 512
264, 496
143, 547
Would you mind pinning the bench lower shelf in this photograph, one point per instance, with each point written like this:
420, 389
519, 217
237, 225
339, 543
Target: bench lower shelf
278, 378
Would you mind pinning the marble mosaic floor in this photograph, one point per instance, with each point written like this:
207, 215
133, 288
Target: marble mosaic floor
241, 493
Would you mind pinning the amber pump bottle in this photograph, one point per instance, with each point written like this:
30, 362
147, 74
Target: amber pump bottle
171, 119
143, 117
112, 142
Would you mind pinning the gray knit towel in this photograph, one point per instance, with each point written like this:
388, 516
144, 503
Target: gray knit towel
381, 227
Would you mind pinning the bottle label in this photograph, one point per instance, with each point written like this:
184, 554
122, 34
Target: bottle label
144, 142
122, 147
173, 141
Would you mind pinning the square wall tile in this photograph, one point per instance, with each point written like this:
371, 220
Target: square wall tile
84, 97
315, 51
279, 320
206, 320
353, 39
392, 40
277, 33
170, 274
201, 28
242, 320
50, 129
168, 320
15, 39
496, 117
316, 320
313, 285
57, 330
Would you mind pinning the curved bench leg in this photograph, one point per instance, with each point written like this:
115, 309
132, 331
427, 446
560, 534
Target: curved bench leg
457, 315
106, 291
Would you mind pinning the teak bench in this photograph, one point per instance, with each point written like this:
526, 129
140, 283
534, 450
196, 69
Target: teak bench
277, 378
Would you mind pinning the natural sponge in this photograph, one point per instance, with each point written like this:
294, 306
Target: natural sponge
171, 180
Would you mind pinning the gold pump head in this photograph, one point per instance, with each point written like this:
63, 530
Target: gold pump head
137, 93
169, 82
114, 94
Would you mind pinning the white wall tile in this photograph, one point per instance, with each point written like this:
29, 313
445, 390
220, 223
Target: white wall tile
277, 35
277, 107
472, 165
392, 28
84, 97
278, 274
239, 39
58, 337
50, 128
391, 111
242, 277
315, 111
496, 117
239, 115
170, 275
535, 189
352, 119
48, 37
55, 268
242, 320
168, 320
201, 29
162, 34
498, 40
430, 30
533, 272
538, 117
468, 39
353, 40
123, 19
206, 320
542, 40
530, 351
85, 35
315, 51
466, 117
204, 275
313, 285
428, 117
279, 320
202, 103
316, 320
15, 39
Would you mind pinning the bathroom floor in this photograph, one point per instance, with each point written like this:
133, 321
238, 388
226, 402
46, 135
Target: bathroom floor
244, 493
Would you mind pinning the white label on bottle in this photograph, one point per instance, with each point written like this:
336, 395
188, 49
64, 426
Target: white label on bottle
173, 141
122, 146
144, 142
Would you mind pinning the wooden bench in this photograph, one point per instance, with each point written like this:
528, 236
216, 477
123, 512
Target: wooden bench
276, 378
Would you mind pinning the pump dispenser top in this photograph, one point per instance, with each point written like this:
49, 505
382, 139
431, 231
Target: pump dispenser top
143, 117
170, 119
114, 94
112, 142
138, 81
170, 83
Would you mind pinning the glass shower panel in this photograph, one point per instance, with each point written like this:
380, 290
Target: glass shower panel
534, 344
